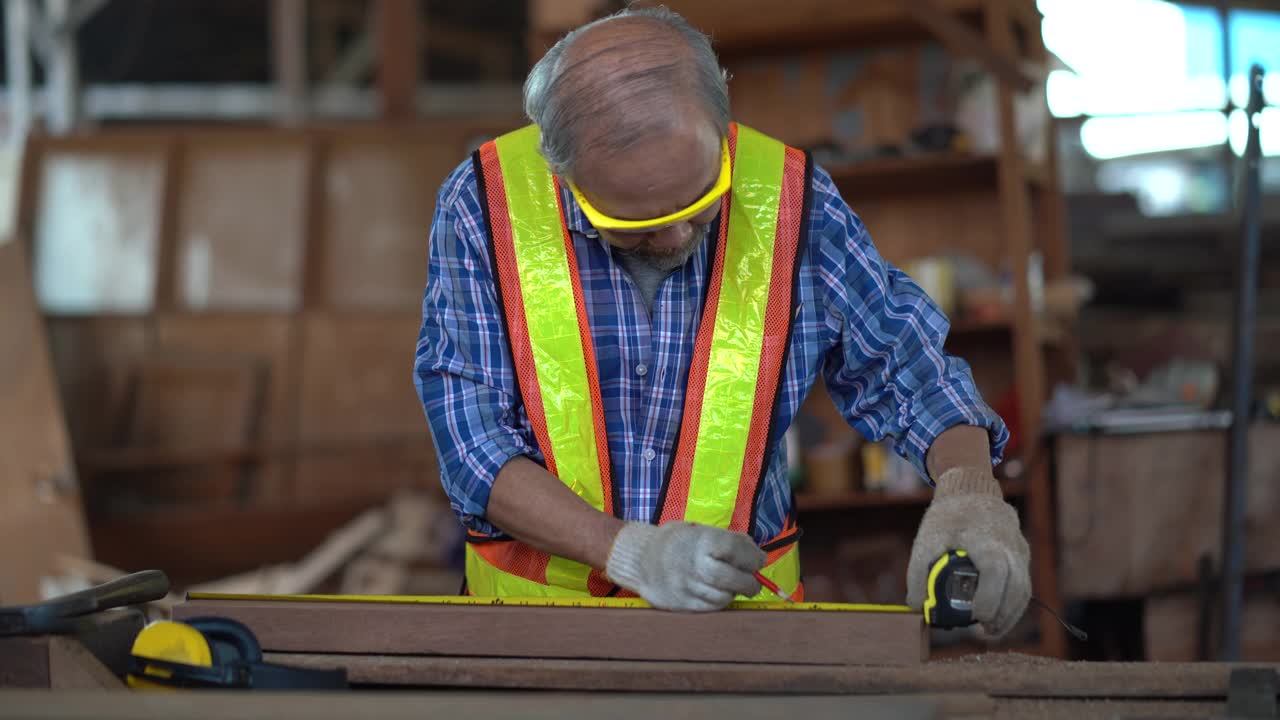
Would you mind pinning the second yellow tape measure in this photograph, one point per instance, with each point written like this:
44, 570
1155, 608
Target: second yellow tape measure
584, 602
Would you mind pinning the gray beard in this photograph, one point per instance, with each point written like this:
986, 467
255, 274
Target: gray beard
665, 262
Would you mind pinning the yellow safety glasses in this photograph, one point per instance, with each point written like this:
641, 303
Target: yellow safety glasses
600, 221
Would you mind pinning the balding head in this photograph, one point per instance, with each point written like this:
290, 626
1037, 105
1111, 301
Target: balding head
632, 110
613, 83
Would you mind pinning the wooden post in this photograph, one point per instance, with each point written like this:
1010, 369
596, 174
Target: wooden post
312, 297
289, 58
17, 17
168, 278
63, 96
399, 66
1015, 204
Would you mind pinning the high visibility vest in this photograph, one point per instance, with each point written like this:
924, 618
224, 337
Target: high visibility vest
726, 434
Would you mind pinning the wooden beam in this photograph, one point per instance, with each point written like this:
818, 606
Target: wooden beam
73, 667
63, 71
1029, 371
963, 41
399, 66
401, 705
218, 541
168, 280
747, 636
17, 18
40, 517
1003, 675
90, 659
289, 59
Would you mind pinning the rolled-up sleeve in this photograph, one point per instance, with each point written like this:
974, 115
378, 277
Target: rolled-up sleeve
462, 367
887, 370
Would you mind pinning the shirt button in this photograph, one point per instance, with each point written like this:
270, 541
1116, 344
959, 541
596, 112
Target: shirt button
648, 455
642, 370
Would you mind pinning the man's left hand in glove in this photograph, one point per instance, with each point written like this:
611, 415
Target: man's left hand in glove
969, 513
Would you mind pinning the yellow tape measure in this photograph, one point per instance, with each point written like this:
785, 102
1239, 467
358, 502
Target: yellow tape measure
583, 602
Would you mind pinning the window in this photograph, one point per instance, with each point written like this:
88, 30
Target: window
1150, 73
1155, 88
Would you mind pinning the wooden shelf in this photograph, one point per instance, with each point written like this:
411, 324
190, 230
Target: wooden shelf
926, 172
854, 499
763, 26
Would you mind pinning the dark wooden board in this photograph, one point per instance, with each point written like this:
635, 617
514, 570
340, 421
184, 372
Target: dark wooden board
1000, 675
205, 543
744, 636
41, 515
73, 667
219, 705
24, 662
94, 657
1117, 538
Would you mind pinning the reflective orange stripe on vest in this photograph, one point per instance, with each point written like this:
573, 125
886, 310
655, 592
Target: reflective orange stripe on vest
727, 431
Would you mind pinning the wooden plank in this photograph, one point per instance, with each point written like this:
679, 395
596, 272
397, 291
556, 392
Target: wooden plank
998, 674
353, 377
399, 27
289, 59
263, 338
400, 705
193, 545
809, 637
352, 389
193, 400
167, 279
40, 517
395, 450
375, 220
73, 667
91, 357
65, 662
1118, 538
24, 662
190, 400
241, 220
1171, 628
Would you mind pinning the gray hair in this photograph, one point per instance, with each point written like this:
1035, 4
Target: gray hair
561, 103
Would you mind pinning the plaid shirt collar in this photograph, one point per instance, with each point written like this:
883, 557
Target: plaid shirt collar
575, 219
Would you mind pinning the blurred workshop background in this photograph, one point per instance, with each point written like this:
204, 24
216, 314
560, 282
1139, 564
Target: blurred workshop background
215, 214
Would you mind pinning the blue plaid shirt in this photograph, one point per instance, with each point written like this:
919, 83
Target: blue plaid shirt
876, 337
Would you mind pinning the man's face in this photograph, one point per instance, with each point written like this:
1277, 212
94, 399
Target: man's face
654, 178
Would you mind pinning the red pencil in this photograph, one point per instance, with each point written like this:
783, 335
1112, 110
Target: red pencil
773, 586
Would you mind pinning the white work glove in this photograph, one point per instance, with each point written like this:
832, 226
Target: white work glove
969, 513
685, 566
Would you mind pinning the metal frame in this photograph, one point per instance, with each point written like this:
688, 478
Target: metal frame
1245, 322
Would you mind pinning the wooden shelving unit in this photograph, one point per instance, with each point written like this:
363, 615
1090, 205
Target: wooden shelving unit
925, 172
1000, 207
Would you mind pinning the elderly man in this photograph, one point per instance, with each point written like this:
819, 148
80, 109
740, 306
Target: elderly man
628, 300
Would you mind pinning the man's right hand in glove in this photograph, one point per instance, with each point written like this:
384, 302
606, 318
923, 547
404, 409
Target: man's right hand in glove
685, 566
673, 566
